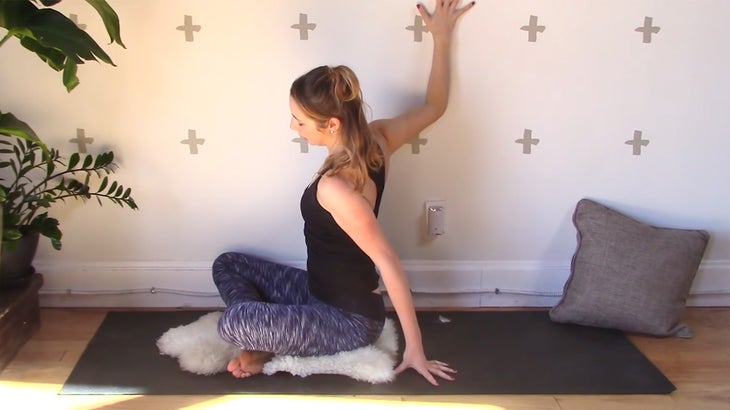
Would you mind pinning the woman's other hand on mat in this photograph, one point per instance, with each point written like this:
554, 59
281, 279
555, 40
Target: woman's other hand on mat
427, 368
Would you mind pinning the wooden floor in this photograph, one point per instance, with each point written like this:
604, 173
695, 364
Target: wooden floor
700, 368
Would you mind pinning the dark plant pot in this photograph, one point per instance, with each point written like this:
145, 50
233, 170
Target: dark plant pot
16, 266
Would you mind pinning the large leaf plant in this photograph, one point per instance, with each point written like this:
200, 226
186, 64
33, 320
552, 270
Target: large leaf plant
40, 176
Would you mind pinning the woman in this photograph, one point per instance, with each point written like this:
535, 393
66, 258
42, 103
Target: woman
335, 304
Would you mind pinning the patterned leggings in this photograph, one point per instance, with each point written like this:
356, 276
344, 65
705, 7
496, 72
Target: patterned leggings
270, 309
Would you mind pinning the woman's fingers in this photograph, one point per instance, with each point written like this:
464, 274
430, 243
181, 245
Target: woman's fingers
427, 374
442, 370
424, 13
431, 368
464, 9
450, 8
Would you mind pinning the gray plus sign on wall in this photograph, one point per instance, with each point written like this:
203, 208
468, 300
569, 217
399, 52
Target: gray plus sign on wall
81, 140
418, 28
637, 142
527, 142
647, 29
193, 141
303, 144
303, 26
416, 144
75, 19
532, 29
188, 27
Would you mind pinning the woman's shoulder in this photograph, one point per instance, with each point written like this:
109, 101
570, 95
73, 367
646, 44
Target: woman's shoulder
335, 191
334, 184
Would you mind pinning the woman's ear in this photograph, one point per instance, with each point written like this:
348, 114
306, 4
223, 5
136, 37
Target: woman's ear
333, 125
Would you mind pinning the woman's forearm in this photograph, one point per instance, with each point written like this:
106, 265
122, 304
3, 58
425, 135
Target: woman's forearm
439, 81
399, 293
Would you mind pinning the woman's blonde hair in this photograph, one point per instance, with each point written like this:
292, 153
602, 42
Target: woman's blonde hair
326, 92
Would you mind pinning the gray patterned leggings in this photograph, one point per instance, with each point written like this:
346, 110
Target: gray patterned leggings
270, 309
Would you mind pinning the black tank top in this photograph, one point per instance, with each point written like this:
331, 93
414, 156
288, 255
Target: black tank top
340, 273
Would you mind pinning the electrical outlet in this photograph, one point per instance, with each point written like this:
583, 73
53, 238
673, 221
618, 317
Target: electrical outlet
436, 217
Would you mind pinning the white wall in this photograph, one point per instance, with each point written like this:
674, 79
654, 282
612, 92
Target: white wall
583, 88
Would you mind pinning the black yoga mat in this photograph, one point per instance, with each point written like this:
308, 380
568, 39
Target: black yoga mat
495, 352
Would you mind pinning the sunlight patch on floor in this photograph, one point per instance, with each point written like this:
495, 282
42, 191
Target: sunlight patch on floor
45, 395
326, 403
19, 395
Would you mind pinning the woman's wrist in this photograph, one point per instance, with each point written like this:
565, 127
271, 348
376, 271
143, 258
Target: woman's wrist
442, 39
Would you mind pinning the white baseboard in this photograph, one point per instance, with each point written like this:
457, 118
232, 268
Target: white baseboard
435, 284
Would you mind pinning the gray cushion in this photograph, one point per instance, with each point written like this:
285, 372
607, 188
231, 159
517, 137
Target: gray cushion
628, 275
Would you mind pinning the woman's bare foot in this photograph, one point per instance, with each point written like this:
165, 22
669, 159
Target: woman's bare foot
248, 363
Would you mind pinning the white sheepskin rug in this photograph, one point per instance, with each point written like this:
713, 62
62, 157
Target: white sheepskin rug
200, 350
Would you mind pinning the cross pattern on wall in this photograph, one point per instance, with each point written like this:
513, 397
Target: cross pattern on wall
81, 140
75, 19
303, 144
637, 142
527, 141
647, 30
193, 141
418, 28
189, 28
304, 26
416, 144
532, 29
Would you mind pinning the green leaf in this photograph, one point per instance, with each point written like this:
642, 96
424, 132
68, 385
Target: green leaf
73, 160
104, 159
70, 79
54, 58
50, 167
46, 201
110, 19
52, 29
49, 3
112, 188
14, 14
48, 227
11, 235
10, 125
72, 185
103, 185
88, 161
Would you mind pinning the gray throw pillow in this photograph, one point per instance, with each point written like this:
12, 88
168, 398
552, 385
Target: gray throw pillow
628, 275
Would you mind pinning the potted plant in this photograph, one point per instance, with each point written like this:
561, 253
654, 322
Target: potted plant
39, 179
38, 175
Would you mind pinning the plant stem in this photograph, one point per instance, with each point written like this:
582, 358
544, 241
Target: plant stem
7, 36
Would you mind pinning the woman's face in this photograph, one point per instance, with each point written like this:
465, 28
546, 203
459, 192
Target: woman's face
306, 126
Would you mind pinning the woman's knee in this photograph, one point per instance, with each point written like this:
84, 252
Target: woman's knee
219, 266
226, 262
230, 326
